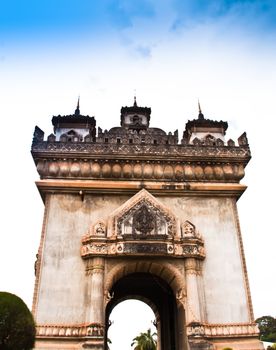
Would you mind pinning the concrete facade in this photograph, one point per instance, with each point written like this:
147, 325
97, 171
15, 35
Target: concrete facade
130, 207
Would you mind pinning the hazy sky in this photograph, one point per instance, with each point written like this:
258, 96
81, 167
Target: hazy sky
172, 53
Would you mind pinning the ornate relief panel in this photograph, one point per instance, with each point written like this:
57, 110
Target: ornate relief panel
144, 220
143, 226
143, 216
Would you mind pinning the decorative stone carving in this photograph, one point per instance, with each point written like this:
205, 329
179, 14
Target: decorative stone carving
188, 230
51, 167
143, 247
143, 220
141, 226
108, 296
222, 330
192, 265
180, 295
231, 143
143, 215
38, 136
192, 250
51, 138
196, 329
92, 330
242, 140
99, 229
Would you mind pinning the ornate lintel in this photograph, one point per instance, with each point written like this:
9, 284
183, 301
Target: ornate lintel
178, 249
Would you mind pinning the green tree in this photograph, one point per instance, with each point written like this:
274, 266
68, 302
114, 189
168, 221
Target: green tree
145, 341
267, 327
17, 327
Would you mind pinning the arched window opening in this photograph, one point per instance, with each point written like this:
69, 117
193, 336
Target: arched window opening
127, 320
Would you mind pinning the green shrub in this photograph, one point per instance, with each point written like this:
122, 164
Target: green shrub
17, 327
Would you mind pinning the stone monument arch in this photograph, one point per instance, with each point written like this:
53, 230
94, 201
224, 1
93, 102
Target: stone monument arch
131, 212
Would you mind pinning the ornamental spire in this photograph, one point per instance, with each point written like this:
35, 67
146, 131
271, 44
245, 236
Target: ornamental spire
77, 110
135, 102
200, 114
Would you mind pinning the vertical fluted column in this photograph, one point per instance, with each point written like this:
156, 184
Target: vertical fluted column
96, 314
193, 301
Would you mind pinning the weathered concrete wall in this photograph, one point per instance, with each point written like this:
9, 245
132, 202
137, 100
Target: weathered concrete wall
223, 278
63, 291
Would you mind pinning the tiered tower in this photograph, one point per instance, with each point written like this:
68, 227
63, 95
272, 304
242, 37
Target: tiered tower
132, 213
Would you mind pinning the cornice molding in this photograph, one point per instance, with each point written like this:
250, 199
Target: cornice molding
83, 187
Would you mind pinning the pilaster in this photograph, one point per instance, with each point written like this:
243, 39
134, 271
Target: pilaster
193, 304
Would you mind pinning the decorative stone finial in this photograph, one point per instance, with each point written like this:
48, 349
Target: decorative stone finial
135, 102
77, 110
200, 114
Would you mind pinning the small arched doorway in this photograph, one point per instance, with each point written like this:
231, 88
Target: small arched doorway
157, 293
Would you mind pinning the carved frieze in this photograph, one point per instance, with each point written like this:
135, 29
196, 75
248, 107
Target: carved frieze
222, 330
193, 330
135, 248
92, 148
94, 330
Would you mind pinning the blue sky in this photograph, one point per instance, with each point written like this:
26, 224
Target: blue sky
32, 20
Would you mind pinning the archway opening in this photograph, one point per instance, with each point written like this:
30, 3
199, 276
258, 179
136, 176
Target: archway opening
158, 295
127, 320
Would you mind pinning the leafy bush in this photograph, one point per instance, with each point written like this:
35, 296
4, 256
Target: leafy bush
17, 327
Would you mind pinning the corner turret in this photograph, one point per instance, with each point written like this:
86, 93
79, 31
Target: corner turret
74, 127
203, 130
